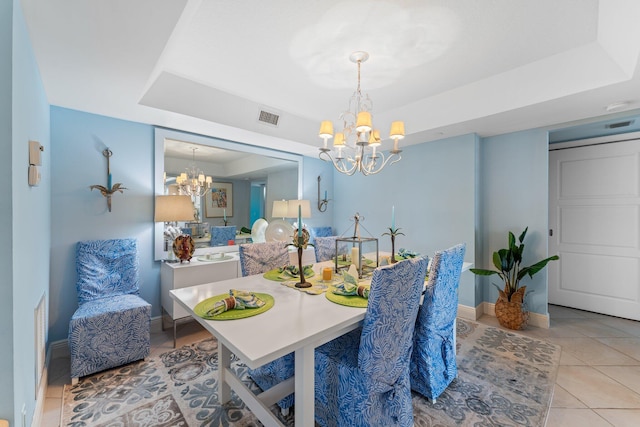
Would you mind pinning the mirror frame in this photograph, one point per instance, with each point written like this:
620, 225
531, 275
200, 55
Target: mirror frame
160, 134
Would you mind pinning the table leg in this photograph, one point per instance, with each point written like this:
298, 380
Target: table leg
224, 361
304, 386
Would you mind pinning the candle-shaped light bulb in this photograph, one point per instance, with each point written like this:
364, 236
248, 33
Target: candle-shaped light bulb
299, 221
393, 217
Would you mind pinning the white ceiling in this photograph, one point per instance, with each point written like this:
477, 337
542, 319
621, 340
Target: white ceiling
444, 67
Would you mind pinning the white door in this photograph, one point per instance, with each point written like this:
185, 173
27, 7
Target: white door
594, 218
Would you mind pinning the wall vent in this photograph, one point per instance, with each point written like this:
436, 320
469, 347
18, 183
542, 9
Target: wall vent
268, 118
619, 124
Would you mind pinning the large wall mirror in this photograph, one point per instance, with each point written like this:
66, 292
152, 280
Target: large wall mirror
249, 178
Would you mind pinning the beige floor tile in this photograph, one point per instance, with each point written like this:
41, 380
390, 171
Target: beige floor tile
592, 351
626, 375
621, 417
632, 327
564, 417
596, 389
595, 328
628, 346
568, 359
563, 399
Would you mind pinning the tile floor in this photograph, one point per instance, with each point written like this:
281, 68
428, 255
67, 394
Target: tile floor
598, 381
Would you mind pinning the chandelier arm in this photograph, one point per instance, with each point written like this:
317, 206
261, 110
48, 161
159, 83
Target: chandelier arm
371, 169
338, 163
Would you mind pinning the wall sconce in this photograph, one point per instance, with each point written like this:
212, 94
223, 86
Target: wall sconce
109, 190
322, 203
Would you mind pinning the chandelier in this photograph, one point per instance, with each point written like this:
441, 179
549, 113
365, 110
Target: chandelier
355, 148
193, 182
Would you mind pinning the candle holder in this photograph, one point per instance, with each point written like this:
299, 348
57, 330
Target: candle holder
301, 242
109, 190
393, 232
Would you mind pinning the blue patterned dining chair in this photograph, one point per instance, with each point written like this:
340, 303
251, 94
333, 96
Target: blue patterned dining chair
319, 232
220, 235
111, 326
433, 361
325, 248
362, 378
258, 258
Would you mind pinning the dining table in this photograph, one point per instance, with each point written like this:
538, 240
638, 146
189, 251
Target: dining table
299, 321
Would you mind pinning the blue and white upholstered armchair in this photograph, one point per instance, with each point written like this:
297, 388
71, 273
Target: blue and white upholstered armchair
258, 258
111, 326
433, 362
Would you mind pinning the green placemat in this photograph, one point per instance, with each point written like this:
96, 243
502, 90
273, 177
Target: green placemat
348, 300
281, 276
365, 261
203, 306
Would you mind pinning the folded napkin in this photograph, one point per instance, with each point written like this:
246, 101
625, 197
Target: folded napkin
290, 271
405, 253
237, 300
350, 285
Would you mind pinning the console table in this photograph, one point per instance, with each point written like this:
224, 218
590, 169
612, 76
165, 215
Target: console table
181, 275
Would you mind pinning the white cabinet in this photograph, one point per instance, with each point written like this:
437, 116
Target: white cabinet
177, 275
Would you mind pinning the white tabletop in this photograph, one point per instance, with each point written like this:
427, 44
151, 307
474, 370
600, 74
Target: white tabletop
297, 319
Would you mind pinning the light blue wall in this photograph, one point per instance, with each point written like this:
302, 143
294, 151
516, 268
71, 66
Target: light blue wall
79, 213
433, 189
6, 217
514, 193
24, 215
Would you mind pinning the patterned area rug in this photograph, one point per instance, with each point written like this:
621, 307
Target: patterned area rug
505, 379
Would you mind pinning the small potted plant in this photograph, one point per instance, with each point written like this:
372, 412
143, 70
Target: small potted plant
509, 306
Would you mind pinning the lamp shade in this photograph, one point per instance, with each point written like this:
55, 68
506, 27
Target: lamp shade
374, 138
363, 122
397, 130
338, 141
280, 209
173, 208
326, 129
305, 208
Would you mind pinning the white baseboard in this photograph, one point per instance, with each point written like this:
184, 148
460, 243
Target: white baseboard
470, 313
38, 411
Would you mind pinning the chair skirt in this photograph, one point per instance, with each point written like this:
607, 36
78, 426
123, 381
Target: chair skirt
109, 332
343, 399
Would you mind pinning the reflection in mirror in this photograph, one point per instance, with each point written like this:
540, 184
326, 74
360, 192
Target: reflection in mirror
229, 183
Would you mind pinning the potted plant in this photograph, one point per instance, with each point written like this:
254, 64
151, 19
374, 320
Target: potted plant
509, 306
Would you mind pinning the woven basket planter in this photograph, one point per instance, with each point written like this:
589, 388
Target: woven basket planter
512, 314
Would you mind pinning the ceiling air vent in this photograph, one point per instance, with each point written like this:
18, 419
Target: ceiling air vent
268, 118
619, 124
